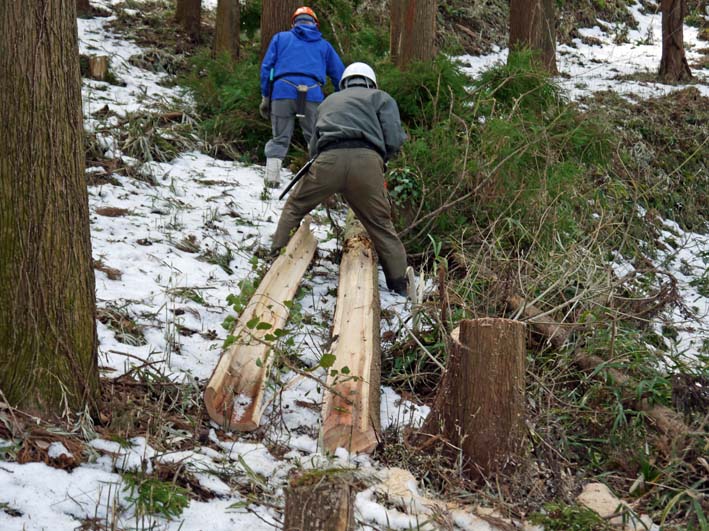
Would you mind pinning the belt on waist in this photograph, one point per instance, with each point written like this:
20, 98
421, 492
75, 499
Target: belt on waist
351, 144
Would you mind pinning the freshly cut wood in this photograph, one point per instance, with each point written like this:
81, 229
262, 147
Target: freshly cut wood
479, 405
98, 67
234, 394
351, 405
321, 500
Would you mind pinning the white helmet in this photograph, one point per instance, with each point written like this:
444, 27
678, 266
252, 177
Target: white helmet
362, 70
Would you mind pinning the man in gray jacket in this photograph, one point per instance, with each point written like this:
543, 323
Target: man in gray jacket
356, 131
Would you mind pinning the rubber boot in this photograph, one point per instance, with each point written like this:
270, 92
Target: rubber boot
272, 178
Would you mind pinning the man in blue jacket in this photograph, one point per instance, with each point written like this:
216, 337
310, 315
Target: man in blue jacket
292, 75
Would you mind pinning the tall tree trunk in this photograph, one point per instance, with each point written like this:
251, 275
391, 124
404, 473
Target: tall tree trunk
413, 31
47, 315
189, 15
533, 26
226, 37
83, 7
396, 19
275, 17
479, 405
673, 65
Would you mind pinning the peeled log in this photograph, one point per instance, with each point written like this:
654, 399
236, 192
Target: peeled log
234, 394
479, 405
351, 413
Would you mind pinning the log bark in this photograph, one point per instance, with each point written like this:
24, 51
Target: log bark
533, 26
351, 414
98, 67
188, 14
668, 421
479, 406
275, 17
48, 360
673, 64
83, 8
413, 31
540, 323
321, 500
226, 37
234, 394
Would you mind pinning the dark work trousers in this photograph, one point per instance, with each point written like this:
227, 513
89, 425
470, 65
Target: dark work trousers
283, 124
357, 174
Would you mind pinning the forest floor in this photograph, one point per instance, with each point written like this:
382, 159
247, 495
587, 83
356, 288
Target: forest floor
174, 232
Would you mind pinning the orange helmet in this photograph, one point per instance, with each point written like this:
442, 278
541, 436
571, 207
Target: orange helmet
304, 11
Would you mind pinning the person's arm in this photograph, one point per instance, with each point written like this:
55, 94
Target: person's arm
334, 67
269, 62
390, 121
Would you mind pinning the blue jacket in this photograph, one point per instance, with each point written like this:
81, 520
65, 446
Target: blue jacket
301, 50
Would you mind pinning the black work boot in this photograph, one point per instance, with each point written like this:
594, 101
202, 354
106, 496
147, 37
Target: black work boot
399, 285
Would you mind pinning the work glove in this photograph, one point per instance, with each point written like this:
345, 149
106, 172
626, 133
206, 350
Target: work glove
263, 108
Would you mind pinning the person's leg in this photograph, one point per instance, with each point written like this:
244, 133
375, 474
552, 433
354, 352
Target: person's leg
282, 125
324, 179
307, 124
366, 195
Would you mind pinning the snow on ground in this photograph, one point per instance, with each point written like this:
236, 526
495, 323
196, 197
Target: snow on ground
181, 246
586, 68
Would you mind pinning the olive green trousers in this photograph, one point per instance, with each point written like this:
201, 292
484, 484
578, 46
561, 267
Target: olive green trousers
357, 174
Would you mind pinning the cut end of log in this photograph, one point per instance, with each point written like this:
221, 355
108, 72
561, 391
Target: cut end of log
230, 414
352, 440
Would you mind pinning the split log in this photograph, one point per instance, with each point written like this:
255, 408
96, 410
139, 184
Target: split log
321, 500
351, 408
98, 67
234, 394
479, 405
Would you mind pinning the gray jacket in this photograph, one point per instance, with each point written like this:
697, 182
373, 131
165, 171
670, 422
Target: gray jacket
359, 113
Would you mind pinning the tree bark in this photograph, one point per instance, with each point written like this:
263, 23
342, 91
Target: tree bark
275, 17
47, 316
188, 14
479, 405
83, 8
351, 404
413, 31
320, 501
226, 36
98, 67
673, 64
533, 26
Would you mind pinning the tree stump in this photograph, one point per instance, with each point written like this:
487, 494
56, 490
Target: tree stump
321, 500
351, 413
98, 67
479, 405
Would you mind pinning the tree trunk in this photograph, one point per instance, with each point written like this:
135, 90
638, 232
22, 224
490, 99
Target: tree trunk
98, 67
321, 500
533, 26
413, 31
396, 18
47, 315
673, 65
83, 8
226, 36
189, 15
479, 405
351, 405
275, 17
